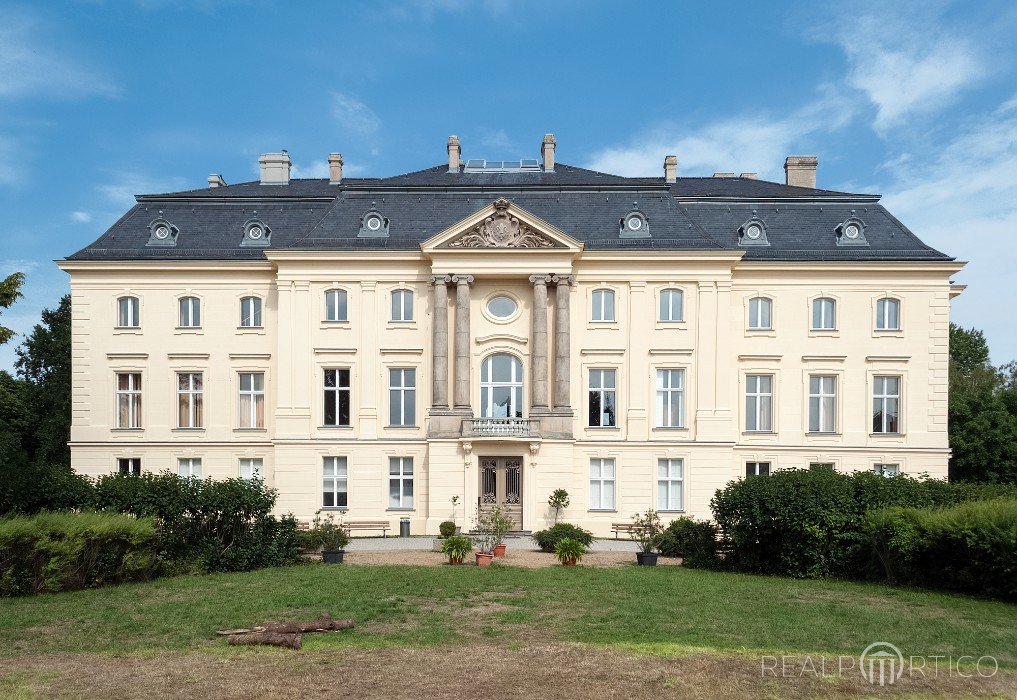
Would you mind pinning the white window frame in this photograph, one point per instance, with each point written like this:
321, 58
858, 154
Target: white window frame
133, 466
193, 396
824, 312
670, 392
599, 480
400, 474
756, 470
333, 306
882, 399
251, 317
667, 303
128, 311
825, 416
402, 305
402, 396
758, 399
602, 309
189, 312
253, 466
887, 469
189, 467
253, 394
331, 393
756, 306
335, 480
488, 384
670, 472
603, 391
883, 315
132, 396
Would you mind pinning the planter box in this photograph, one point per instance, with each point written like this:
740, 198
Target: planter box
436, 544
333, 556
646, 558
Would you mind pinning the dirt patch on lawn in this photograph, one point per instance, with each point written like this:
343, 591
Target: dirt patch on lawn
493, 672
527, 558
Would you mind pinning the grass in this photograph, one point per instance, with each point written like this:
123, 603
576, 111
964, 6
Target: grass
656, 611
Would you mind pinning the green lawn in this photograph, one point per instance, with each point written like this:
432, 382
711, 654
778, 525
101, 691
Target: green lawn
658, 610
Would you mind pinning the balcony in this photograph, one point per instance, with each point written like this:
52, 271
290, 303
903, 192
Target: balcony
501, 427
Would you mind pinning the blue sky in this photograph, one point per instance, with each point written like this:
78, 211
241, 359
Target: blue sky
102, 100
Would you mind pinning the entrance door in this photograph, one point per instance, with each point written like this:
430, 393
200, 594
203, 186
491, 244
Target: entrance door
501, 484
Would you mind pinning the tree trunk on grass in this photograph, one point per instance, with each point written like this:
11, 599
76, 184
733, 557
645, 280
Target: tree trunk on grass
290, 641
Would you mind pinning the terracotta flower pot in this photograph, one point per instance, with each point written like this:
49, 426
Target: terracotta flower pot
455, 561
484, 559
499, 550
571, 561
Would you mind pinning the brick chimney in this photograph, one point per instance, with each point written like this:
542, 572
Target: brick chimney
275, 168
670, 168
547, 152
215, 180
453, 154
335, 168
800, 171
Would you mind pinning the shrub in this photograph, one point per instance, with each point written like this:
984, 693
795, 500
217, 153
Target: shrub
569, 551
457, 548
547, 539
447, 528
330, 533
695, 541
69, 551
646, 530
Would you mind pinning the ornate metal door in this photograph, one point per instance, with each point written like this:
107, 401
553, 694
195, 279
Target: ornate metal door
501, 484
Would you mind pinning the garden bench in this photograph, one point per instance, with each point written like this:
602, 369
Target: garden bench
627, 528
382, 525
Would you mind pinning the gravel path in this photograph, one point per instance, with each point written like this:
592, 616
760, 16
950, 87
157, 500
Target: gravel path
403, 544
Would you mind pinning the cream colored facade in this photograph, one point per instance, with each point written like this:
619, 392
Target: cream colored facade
712, 343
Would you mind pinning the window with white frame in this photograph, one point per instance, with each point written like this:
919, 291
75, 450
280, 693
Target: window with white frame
190, 312
252, 400
759, 403
189, 467
886, 404
128, 399
129, 466
757, 469
336, 393
402, 305
400, 482
670, 398
252, 468
822, 466
886, 469
335, 305
501, 387
250, 312
190, 400
128, 312
670, 484
603, 305
824, 314
603, 393
672, 305
402, 397
822, 404
888, 314
760, 314
602, 484
335, 482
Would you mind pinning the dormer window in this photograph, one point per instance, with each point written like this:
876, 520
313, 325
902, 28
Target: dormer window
851, 232
634, 225
162, 233
753, 232
256, 233
373, 224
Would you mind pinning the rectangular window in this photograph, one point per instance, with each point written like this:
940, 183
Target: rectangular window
402, 305
129, 466
189, 467
603, 305
886, 405
757, 469
822, 404
252, 400
128, 398
759, 314
759, 403
400, 482
335, 305
402, 397
190, 404
601, 484
888, 314
336, 393
670, 484
128, 312
671, 303
190, 312
670, 398
253, 469
602, 398
824, 314
250, 312
335, 482
829, 466
886, 469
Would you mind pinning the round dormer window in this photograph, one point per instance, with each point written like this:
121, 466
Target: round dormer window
501, 306
373, 222
256, 232
852, 230
635, 223
162, 232
753, 231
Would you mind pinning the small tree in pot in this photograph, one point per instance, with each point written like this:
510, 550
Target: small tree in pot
500, 525
485, 537
559, 501
457, 548
569, 551
333, 537
647, 530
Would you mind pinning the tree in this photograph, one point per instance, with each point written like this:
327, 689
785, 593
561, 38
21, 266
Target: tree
10, 292
559, 501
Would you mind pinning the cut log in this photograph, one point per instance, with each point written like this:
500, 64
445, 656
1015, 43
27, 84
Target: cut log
290, 641
325, 623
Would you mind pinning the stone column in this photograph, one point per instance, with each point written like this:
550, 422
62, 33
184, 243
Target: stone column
562, 344
439, 342
461, 398
538, 356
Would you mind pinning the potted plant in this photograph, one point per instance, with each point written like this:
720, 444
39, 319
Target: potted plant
559, 501
485, 537
455, 504
500, 525
647, 530
569, 551
333, 537
456, 548
445, 530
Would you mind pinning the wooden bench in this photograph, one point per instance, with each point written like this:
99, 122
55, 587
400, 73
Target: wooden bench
627, 528
382, 525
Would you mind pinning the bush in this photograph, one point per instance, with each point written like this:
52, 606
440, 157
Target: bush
547, 539
569, 550
447, 528
33, 488
971, 547
52, 552
695, 541
457, 548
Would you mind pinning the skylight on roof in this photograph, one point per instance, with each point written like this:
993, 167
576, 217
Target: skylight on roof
479, 165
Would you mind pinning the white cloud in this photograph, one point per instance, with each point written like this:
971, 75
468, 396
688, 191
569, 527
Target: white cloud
317, 169
353, 115
80, 217
122, 187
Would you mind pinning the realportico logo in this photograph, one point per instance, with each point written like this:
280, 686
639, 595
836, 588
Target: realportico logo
882, 662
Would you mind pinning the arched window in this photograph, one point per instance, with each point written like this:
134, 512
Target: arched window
250, 312
402, 305
672, 305
760, 314
335, 305
190, 312
603, 305
128, 312
888, 314
824, 314
501, 387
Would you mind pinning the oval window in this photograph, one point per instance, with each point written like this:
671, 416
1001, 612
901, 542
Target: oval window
501, 307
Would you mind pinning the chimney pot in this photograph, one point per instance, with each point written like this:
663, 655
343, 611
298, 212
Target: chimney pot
454, 151
723, 174
275, 168
547, 147
215, 180
750, 176
335, 168
800, 171
670, 168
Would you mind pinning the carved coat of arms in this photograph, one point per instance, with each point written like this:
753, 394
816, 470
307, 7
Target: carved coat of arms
502, 230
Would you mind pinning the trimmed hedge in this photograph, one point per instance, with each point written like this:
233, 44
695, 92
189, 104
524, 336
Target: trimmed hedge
548, 539
695, 541
971, 547
52, 552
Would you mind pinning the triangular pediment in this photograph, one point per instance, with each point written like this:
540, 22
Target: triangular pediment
502, 225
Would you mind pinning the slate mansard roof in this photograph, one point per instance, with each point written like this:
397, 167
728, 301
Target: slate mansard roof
694, 214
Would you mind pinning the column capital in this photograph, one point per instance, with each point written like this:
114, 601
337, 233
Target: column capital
440, 280
462, 279
567, 280
540, 279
